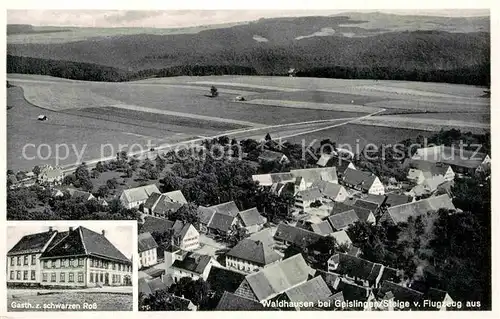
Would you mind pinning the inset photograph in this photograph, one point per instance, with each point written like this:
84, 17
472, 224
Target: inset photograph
70, 266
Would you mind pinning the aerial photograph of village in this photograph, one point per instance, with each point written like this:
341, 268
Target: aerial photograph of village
326, 160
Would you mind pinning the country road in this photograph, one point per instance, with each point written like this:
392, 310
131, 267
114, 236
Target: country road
290, 130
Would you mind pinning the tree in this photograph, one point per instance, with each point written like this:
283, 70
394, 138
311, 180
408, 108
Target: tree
187, 213
95, 174
213, 91
36, 170
196, 291
102, 191
160, 163
129, 172
122, 156
100, 167
147, 164
236, 234
112, 183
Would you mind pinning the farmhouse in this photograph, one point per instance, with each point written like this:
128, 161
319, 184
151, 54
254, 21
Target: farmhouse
363, 181
222, 279
422, 170
162, 204
275, 178
50, 175
147, 247
304, 199
84, 196
341, 164
397, 199
183, 235
286, 235
356, 269
363, 214
460, 160
400, 214
249, 256
362, 295
251, 220
233, 302
180, 264
311, 292
392, 291
312, 175
342, 221
271, 156
323, 228
428, 186
342, 238
331, 191
271, 281
84, 258
133, 197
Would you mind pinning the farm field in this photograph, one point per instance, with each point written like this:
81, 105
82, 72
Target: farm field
104, 301
159, 111
358, 136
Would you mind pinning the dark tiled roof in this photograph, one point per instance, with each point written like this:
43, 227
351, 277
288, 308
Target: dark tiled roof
342, 220
193, 262
232, 302
298, 236
362, 213
205, 214
357, 267
31, 244
221, 279
353, 292
328, 189
154, 224
83, 241
152, 200
399, 292
251, 217
397, 199
221, 222
378, 199
322, 228
146, 242
331, 279
254, 252
310, 194
435, 294
59, 236
359, 178
390, 274
366, 205
312, 175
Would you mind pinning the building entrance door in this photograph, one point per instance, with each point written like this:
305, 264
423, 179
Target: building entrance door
106, 279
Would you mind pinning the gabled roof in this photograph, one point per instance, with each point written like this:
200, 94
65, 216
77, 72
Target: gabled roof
314, 290
433, 182
75, 193
356, 267
268, 155
390, 274
358, 178
354, 251
265, 236
397, 199
155, 224
193, 262
205, 214
221, 222
152, 200
366, 205
32, 244
141, 193
341, 237
402, 212
232, 302
146, 242
330, 278
343, 220
328, 189
331, 160
275, 178
222, 279
254, 252
298, 236
83, 241
228, 208
399, 292
378, 199
310, 194
435, 294
251, 217
362, 213
450, 155
322, 228
433, 168
353, 292
311, 175
277, 278
176, 197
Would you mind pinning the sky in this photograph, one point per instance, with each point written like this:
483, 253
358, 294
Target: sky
121, 235
183, 18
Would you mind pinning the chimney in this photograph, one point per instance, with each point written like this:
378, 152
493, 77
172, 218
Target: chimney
103, 232
50, 228
71, 229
